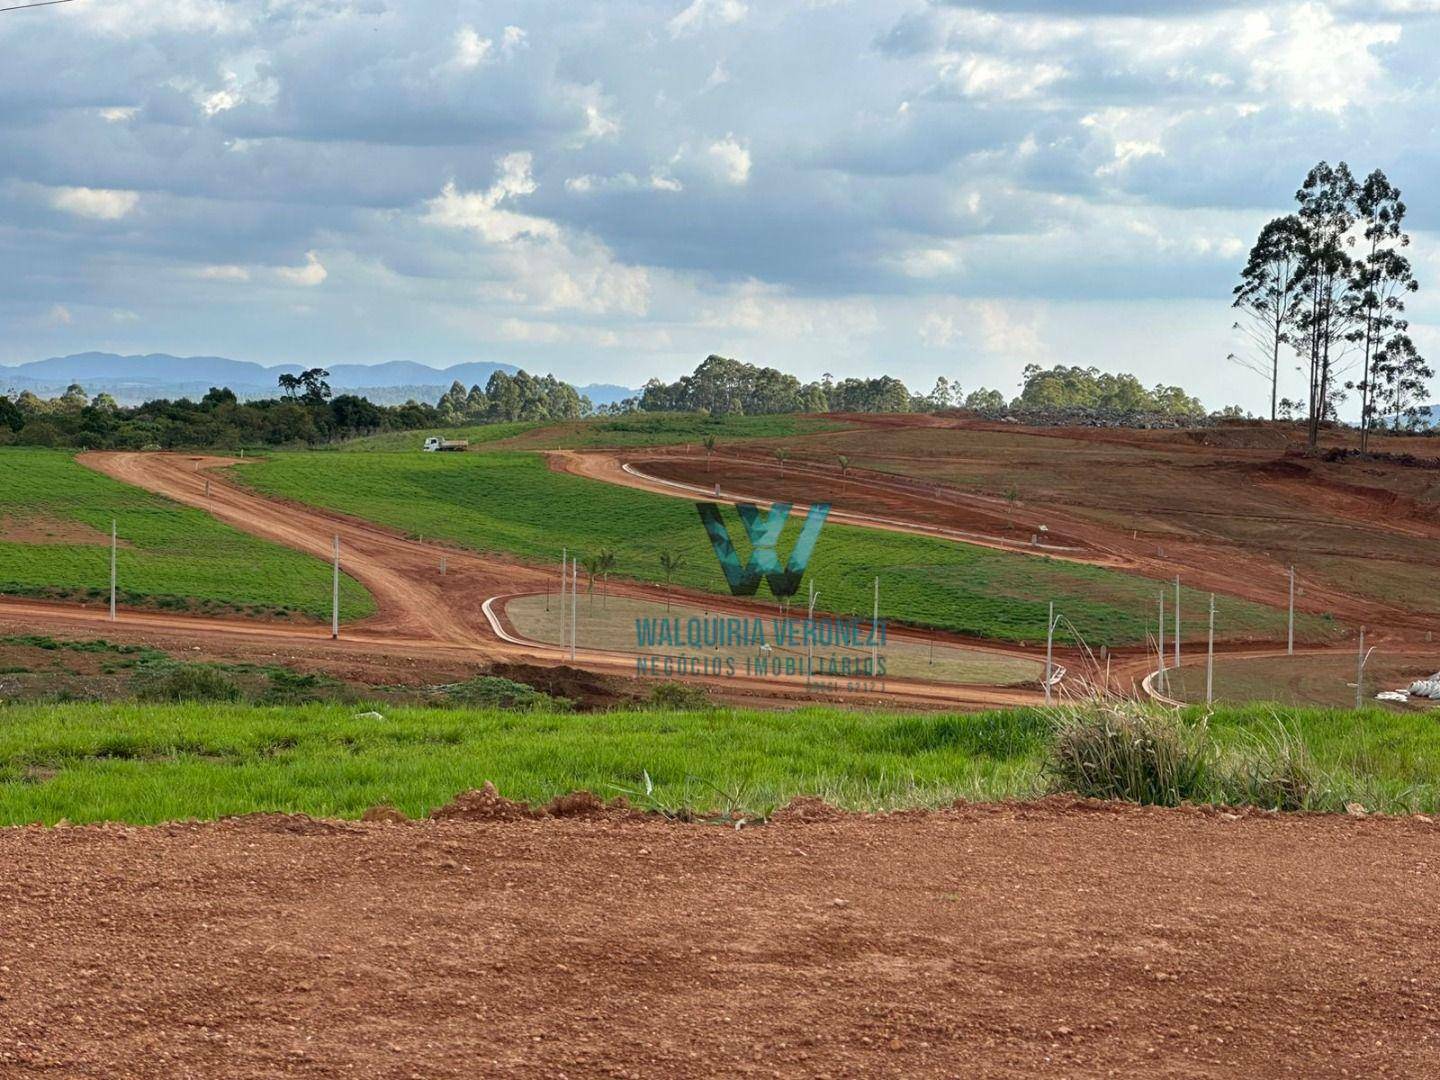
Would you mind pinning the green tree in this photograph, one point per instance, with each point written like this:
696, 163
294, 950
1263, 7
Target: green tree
671, 563
1266, 297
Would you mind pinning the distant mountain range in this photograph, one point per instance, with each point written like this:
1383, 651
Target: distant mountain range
132, 379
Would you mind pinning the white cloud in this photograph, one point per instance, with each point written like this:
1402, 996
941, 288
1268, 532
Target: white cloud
718, 75
471, 50
1311, 59
927, 262
731, 159
118, 114
937, 331
512, 40
625, 181
59, 315
759, 309
312, 273
998, 79
101, 204
1004, 334
706, 13
480, 211
223, 273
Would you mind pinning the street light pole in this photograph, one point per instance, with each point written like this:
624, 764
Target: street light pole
1049, 651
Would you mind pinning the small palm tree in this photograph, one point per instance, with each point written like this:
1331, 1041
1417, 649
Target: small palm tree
844, 460
605, 562
1012, 496
592, 570
670, 563
781, 454
709, 443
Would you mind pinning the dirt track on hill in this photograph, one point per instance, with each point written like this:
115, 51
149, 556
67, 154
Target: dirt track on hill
421, 616
1011, 941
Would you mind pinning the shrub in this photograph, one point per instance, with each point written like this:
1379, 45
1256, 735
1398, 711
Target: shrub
494, 692
1125, 752
679, 696
184, 682
1274, 770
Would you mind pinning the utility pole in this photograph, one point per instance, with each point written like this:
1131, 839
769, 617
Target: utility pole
442, 565
1161, 650
335, 593
1360, 670
113, 544
1049, 650
1177, 621
810, 636
1210, 656
1290, 637
564, 567
574, 605
875, 634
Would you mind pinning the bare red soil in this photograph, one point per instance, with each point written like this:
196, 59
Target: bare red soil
1229, 508
425, 623
1010, 941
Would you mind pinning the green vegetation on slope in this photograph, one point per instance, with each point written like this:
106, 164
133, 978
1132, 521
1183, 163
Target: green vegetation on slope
634, 429
514, 504
55, 519
150, 763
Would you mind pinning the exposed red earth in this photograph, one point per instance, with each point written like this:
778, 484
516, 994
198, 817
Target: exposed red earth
1024, 940
421, 617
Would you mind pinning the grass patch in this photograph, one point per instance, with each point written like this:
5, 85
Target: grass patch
514, 504
172, 556
149, 763
640, 429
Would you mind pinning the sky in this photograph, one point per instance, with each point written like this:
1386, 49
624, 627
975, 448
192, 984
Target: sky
613, 190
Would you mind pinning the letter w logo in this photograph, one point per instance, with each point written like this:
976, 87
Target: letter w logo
764, 533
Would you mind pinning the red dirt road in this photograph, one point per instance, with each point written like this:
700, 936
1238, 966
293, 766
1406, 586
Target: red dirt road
420, 613
1009, 941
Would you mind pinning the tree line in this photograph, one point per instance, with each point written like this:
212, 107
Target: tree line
722, 386
306, 414
1328, 284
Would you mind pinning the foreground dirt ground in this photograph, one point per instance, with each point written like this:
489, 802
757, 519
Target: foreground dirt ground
1011, 941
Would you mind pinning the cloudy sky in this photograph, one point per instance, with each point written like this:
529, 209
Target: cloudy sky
612, 190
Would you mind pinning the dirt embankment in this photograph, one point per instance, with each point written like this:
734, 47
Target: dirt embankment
1018, 941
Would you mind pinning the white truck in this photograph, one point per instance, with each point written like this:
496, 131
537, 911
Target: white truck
436, 444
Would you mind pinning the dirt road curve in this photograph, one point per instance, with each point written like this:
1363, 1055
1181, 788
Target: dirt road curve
996, 941
420, 613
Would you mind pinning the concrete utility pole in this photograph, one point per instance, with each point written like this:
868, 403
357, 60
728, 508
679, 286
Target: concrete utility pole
442, 565
1177, 620
1161, 649
1049, 651
114, 542
1290, 638
1210, 656
810, 635
574, 605
875, 634
1362, 656
564, 567
335, 593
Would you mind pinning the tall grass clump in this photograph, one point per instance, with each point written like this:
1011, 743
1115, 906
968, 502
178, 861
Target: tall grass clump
1273, 768
1119, 751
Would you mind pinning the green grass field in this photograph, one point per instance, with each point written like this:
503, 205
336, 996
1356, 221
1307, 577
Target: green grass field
150, 763
641, 429
514, 504
54, 540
